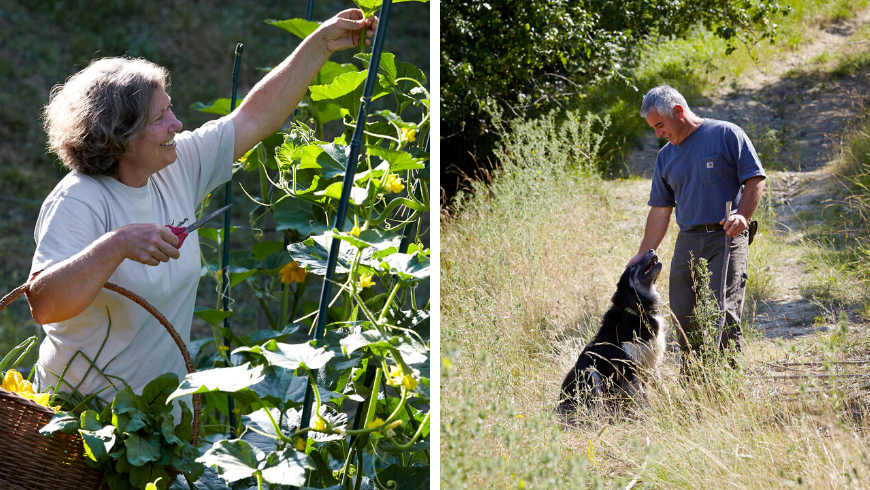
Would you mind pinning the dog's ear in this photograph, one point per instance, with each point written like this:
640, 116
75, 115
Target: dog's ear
623, 287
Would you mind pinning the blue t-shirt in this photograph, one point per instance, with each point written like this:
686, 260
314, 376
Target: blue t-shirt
701, 174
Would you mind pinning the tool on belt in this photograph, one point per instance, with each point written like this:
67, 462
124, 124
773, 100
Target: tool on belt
182, 233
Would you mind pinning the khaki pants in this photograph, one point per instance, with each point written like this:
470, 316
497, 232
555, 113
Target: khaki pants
711, 246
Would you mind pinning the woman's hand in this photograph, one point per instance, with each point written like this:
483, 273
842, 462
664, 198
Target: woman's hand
343, 31
148, 244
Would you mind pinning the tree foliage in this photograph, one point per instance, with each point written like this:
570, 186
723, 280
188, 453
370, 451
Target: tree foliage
530, 57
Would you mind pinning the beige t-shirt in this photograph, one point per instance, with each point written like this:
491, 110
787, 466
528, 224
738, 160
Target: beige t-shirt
81, 209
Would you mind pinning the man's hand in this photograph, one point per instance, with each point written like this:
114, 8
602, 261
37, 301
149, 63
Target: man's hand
734, 225
149, 244
343, 31
637, 258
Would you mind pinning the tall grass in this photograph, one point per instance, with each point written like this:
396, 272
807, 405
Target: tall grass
528, 267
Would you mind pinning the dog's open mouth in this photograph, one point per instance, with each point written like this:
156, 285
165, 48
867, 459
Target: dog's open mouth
652, 264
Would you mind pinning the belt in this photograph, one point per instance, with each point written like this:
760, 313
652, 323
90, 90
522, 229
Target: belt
706, 228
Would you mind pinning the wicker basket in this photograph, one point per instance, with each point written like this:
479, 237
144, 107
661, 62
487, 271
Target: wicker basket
32, 461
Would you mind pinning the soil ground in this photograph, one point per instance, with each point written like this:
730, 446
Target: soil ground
809, 109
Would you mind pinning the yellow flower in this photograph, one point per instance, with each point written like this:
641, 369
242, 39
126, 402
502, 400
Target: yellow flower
320, 424
396, 376
409, 382
14, 382
374, 424
365, 281
394, 183
409, 134
355, 231
590, 453
292, 273
300, 444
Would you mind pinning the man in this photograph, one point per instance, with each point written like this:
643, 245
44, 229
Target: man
705, 164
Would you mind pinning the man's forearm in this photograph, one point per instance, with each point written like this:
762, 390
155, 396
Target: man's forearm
753, 188
657, 223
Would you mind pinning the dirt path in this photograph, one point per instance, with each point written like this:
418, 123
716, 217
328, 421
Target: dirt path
795, 112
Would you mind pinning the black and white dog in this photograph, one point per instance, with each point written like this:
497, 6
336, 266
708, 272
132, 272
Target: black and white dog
629, 345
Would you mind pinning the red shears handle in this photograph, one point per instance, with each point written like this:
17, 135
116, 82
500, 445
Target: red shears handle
179, 232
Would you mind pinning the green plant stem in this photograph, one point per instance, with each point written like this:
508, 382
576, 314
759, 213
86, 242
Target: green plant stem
285, 300
414, 438
389, 302
259, 480
416, 206
280, 435
316, 394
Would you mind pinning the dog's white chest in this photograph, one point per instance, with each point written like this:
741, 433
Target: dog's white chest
648, 355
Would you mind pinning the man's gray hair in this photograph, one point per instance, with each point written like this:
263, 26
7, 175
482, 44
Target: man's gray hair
93, 117
663, 99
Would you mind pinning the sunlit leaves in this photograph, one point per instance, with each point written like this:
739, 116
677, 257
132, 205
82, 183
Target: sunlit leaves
221, 379
399, 160
290, 356
300, 28
346, 91
415, 267
237, 459
219, 106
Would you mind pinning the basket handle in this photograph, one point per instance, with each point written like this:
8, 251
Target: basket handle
188, 362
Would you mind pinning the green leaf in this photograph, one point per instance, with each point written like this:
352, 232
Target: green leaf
346, 91
380, 341
141, 450
126, 402
398, 160
184, 429
358, 195
234, 459
295, 214
90, 420
286, 468
290, 356
405, 477
411, 268
331, 159
237, 277
387, 64
291, 213
140, 476
66, 422
221, 379
300, 28
167, 428
98, 443
264, 249
332, 70
378, 239
212, 317
313, 254
130, 421
157, 390
219, 106
184, 460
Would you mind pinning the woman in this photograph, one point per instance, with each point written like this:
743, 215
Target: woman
132, 174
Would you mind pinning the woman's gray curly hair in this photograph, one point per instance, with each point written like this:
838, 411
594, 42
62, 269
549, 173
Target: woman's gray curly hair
663, 99
92, 117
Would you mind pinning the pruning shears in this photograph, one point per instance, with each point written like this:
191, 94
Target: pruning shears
182, 233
